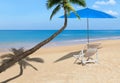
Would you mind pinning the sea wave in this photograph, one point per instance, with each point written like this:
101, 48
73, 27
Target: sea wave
80, 41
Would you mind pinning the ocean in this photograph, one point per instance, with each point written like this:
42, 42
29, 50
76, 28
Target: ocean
29, 38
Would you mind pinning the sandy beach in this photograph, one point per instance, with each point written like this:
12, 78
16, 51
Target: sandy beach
58, 66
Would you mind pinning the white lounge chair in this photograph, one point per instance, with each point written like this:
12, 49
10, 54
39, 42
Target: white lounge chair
87, 54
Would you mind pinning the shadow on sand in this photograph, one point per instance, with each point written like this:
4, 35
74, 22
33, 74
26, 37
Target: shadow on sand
69, 55
22, 64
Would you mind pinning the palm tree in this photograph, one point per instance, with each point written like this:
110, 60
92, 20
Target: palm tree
22, 63
66, 6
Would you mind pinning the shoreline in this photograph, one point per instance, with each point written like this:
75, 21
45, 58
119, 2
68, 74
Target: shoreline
27, 45
4, 47
52, 46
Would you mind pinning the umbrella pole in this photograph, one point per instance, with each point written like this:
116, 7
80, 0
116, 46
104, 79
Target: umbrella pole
88, 31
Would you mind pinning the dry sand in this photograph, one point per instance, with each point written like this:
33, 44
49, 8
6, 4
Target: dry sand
59, 68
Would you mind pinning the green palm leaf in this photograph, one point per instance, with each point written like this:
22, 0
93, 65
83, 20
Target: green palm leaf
79, 2
70, 8
51, 3
55, 11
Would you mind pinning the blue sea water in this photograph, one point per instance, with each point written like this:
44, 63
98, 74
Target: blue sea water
28, 38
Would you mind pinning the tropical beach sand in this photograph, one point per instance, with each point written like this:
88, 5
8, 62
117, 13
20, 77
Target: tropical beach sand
56, 70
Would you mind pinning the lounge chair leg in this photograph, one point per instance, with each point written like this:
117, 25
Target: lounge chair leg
75, 61
83, 64
88, 58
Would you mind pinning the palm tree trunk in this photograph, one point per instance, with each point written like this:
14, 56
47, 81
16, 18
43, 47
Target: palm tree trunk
5, 66
21, 72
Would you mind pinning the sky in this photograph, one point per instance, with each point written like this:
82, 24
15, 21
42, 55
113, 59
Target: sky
33, 15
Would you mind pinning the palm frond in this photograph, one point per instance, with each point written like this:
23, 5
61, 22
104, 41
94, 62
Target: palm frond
35, 59
23, 63
51, 3
79, 2
28, 64
68, 7
55, 11
14, 50
77, 15
5, 61
7, 56
17, 51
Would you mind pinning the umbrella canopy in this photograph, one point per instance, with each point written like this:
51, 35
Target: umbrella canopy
89, 13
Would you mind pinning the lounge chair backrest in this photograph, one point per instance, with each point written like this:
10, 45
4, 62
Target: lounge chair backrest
90, 52
94, 45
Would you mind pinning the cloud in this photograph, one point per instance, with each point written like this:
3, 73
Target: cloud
103, 2
95, 6
109, 2
114, 13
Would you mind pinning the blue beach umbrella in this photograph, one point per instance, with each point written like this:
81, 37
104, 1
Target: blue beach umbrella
89, 13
